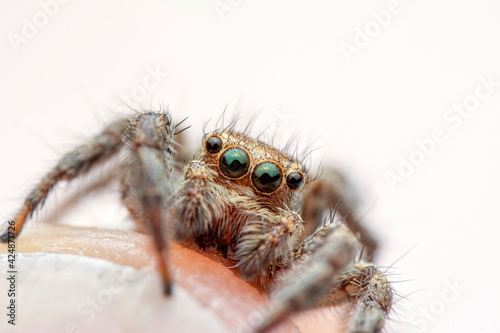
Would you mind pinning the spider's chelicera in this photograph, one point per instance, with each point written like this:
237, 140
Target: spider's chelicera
247, 201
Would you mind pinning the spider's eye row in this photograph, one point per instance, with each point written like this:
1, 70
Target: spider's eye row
213, 145
266, 177
294, 180
234, 162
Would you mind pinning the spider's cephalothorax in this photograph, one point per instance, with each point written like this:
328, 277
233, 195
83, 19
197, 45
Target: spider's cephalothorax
245, 201
242, 199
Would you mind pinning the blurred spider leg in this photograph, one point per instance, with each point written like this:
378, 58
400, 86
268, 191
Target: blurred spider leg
262, 242
330, 191
74, 163
322, 275
313, 271
147, 179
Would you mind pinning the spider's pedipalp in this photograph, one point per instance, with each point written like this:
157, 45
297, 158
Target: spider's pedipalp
200, 202
263, 241
75, 163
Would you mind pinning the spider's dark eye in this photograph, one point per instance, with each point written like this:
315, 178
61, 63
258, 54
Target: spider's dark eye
213, 145
266, 177
294, 180
234, 163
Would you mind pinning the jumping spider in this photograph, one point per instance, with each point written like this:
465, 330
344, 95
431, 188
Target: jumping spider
245, 201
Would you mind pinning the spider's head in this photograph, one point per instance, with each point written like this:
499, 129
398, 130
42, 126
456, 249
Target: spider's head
249, 164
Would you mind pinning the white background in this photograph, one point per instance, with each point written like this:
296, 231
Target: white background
62, 82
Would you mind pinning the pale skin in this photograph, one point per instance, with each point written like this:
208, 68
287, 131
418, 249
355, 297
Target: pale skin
240, 201
136, 250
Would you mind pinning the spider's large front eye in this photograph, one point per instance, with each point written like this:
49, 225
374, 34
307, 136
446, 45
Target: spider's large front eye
213, 145
266, 177
294, 180
234, 163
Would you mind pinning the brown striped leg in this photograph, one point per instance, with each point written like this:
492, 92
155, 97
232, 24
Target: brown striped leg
75, 163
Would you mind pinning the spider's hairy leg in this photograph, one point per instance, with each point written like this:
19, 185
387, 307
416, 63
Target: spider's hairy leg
361, 284
74, 163
328, 191
321, 274
367, 286
313, 269
148, 189
263, 241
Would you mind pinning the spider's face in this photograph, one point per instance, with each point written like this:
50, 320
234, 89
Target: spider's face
251, 164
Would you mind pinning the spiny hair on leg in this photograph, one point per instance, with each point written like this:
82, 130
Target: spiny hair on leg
373, 296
